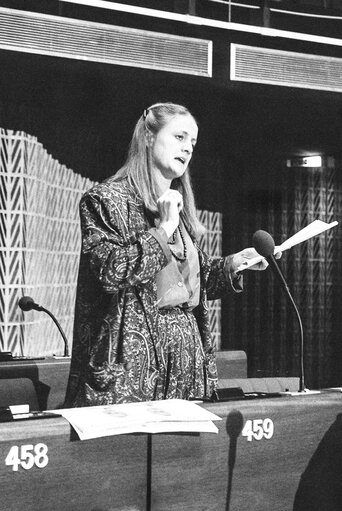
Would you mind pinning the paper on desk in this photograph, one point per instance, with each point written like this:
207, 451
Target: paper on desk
316, 227
171, 415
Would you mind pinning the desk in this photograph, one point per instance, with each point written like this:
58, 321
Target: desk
229, 472
48, 376
106, 474
199, 472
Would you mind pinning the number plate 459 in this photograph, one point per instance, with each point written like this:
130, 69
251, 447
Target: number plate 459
257, 429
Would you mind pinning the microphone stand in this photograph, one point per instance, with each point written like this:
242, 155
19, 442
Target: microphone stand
301, 344
273, 264
66, 347
264, 245
26, 303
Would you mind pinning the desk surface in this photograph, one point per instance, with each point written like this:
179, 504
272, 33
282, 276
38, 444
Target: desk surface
95, 475
242, 468
49, 378
238, 470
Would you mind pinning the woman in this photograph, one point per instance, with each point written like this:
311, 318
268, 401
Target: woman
141, 320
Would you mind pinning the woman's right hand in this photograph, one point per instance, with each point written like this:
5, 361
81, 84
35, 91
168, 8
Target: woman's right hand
170, 205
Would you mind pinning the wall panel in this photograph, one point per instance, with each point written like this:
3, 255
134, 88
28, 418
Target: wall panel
263, 320
40, 245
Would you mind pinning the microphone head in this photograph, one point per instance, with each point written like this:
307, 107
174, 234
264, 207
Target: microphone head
263, 243
26, 303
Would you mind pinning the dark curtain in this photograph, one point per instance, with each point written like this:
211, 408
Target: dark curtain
261, 320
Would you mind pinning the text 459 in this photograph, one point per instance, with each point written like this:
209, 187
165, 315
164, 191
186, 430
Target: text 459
258, 429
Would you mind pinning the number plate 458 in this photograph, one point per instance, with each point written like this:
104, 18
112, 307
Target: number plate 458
27, 456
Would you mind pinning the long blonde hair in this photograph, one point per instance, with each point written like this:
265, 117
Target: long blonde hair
138, 166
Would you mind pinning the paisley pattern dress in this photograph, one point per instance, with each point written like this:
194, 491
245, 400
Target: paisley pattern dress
125, 348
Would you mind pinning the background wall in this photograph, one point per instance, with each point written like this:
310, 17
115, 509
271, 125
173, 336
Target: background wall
83, 113
40, 246
262, 320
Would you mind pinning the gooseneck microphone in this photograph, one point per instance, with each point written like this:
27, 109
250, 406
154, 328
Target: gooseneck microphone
264, 245
26, 303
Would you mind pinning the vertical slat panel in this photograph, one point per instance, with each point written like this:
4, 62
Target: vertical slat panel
39, 230
267, 327
40, 243
212, 244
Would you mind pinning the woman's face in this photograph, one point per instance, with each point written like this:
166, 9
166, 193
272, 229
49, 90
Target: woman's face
173, 146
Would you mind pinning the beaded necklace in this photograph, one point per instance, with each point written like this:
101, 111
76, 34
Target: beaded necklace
173, 241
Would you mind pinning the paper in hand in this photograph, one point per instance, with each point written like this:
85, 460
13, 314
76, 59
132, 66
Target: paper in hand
316, 227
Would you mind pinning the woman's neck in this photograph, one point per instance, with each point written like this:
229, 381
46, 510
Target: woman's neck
162, 184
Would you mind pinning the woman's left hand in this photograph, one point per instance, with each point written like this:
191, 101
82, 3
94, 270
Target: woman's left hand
242, 257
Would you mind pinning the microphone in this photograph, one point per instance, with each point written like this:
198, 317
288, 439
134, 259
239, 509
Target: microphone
264, 245
26, 303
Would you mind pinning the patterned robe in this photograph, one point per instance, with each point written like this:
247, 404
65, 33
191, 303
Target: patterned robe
119, 352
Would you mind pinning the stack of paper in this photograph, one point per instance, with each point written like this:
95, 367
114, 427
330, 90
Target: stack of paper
171, 415
316, 227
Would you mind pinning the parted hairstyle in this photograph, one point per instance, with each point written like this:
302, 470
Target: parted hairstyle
138, 165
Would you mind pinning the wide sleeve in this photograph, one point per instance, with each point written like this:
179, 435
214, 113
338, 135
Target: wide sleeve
220, 279
119, 254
